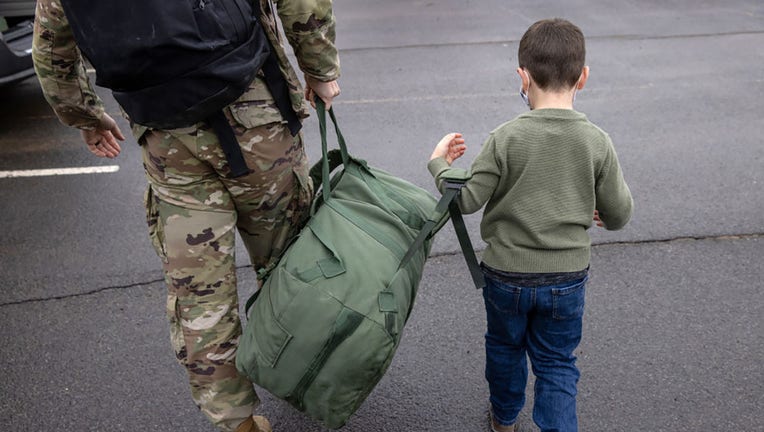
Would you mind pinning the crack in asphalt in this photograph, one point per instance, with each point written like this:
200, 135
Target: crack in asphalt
81, 294
731, 237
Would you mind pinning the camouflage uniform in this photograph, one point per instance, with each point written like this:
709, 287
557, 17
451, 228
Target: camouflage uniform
193, 208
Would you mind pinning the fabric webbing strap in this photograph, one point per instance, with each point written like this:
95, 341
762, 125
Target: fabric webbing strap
448, 204
346, 323
279, 89
219, 123
389, 307
464, 241
325, 168
277, 85
441, 208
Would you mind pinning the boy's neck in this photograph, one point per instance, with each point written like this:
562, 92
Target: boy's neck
541, 99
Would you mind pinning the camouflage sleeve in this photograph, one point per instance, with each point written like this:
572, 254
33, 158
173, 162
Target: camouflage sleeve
60, 68
309, 27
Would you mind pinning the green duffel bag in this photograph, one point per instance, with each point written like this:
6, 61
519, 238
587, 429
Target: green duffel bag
325, 325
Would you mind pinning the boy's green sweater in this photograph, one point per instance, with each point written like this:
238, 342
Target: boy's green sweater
541, 176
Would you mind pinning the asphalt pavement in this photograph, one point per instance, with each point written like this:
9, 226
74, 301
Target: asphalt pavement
673, 337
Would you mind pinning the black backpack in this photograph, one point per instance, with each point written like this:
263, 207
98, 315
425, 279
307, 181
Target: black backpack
174, 63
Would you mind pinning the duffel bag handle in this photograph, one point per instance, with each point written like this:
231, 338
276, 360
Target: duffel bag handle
325, 167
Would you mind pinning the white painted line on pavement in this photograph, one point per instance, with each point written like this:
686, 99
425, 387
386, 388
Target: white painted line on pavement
60, 171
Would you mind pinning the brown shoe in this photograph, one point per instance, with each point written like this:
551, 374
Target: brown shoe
262, 424
255, 424
496, 427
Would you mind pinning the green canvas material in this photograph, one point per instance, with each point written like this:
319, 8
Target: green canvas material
323, 329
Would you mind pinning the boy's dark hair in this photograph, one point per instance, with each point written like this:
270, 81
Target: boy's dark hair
553, 51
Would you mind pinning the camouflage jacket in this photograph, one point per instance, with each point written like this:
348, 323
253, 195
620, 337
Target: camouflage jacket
308, 26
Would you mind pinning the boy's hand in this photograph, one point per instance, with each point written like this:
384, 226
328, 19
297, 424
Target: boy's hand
597, 219
451, 147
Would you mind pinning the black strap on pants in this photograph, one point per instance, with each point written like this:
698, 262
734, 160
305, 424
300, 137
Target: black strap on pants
279, 89
219, 123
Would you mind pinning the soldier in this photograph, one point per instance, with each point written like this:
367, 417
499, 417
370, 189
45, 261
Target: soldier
193, 206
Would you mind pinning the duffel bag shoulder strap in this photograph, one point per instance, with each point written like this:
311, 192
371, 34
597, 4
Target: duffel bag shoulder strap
448, 205
464, 238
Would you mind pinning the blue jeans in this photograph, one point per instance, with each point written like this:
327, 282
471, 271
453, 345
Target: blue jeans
539, 316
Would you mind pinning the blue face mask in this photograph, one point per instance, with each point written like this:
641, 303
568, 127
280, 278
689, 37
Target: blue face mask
525, 97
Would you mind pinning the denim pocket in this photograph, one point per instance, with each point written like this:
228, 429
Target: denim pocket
568, 302
502, 297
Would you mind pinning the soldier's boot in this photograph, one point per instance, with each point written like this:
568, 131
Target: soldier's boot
255, 424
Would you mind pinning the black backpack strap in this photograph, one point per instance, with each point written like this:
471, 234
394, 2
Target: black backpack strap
279, 89
448, 203
219, 123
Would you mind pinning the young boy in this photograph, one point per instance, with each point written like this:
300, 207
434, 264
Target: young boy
541, 176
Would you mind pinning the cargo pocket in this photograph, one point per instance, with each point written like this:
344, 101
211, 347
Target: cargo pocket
396, 301
255, 107
270, 338
245, 114
154, 222
177, 339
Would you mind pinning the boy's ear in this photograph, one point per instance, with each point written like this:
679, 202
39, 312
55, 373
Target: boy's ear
582, 79
525, 78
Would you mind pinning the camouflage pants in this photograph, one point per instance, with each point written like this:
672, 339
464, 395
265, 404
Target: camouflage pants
193, 209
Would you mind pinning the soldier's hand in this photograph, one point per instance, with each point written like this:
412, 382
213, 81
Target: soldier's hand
102, 141
326, 90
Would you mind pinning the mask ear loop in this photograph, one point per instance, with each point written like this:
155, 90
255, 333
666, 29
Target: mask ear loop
575, 89
523, 94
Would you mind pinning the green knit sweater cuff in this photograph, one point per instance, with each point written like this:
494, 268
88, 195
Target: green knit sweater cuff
437, 166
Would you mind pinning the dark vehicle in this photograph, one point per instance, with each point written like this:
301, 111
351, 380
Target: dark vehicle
16, 18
